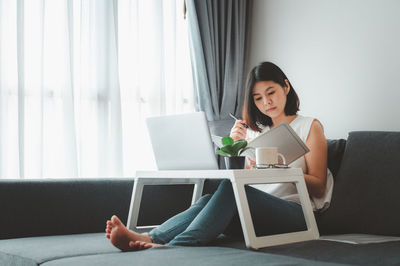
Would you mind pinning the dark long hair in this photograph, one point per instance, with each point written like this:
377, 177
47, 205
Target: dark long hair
266, 71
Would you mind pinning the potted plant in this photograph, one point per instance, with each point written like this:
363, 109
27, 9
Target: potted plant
232, 151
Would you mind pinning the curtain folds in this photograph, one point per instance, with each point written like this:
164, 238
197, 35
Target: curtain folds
77, 79
218, 35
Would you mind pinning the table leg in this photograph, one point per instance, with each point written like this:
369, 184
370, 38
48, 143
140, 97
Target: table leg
307, 209
254, 242
197, 190
135, 204
138, 192
244, 212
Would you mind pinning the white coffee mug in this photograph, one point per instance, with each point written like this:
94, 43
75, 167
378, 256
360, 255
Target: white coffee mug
268, 156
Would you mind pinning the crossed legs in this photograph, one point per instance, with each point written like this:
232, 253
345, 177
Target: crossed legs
209, 217
128, 240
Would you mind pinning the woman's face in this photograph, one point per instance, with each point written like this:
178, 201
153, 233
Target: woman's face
270, 98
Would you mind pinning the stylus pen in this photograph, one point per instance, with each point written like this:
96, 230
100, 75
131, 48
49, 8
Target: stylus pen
234, 117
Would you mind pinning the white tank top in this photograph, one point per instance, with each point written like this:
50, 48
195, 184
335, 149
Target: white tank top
301, 125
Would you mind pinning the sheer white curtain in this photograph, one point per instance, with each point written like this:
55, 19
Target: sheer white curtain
77, 79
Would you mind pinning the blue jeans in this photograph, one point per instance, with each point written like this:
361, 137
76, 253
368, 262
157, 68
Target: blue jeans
214, 214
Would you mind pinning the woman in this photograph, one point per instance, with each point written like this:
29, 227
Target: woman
270, 100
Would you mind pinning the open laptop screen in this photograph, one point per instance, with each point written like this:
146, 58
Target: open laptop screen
182, 142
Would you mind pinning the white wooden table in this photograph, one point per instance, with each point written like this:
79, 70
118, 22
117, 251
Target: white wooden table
239, 179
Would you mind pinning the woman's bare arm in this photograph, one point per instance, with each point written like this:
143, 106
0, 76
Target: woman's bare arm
316, 160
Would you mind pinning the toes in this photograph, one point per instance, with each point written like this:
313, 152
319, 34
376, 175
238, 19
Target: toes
132, 244
139, 245
146, 245
115, 220
108, 236
142, 245
135, 245
108, 229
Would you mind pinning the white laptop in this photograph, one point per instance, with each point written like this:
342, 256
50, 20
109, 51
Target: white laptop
182, 142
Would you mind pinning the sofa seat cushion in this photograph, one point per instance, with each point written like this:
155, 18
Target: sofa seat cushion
37, 250
365, 194
190, 256
95, 249
341, 253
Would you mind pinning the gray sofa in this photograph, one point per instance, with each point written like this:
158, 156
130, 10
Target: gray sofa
61, 222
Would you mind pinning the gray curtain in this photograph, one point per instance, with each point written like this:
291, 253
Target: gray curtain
218, 33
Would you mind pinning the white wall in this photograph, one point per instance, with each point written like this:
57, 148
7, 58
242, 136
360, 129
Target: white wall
342, 57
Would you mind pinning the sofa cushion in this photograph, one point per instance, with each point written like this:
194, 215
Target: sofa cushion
95, 249
37, 250
335, 153
38, 207
190, 256
341, 253
365, 193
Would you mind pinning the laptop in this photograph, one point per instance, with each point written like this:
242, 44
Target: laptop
182, 142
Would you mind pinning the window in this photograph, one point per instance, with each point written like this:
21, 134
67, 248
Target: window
77, 79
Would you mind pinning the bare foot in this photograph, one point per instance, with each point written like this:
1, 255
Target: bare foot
140, 245
120, 236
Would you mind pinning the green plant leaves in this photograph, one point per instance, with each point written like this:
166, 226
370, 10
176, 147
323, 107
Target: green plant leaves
227, 141
232, 148
240, 144
228, 149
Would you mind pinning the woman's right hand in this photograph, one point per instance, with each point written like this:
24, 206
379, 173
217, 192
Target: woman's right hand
238, 130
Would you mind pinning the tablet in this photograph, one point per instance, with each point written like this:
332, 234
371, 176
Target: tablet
284, 138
